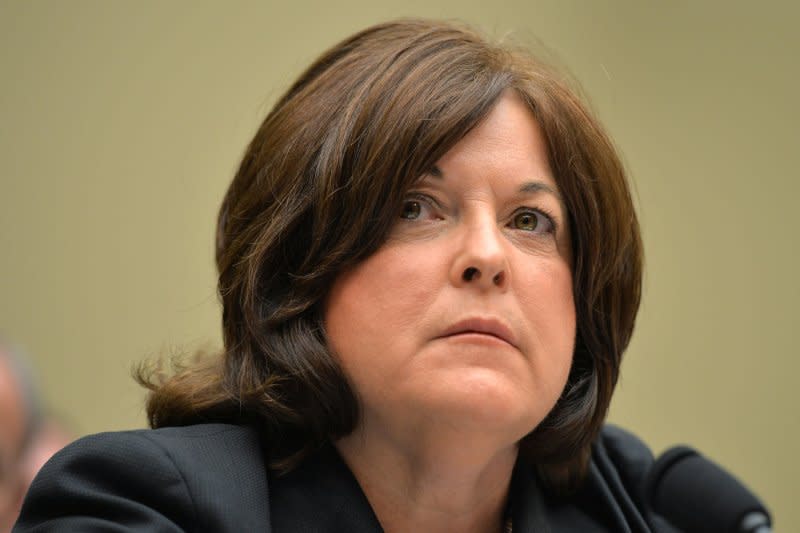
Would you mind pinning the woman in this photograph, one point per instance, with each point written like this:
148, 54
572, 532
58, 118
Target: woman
430, 266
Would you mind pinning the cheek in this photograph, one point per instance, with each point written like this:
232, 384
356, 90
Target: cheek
385, 287
377, 308
545, 292
548, 304
565, 328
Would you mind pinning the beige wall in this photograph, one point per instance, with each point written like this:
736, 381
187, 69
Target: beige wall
121, 125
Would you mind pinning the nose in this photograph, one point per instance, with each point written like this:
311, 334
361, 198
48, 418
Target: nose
481, 260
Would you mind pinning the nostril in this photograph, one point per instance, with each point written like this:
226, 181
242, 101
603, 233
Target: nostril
470, 274
498, 278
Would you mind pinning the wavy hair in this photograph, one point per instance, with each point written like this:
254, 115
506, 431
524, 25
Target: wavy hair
317, 191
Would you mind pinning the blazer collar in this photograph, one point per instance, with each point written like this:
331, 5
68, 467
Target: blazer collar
321, 494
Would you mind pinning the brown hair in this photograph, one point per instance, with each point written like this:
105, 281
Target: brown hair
317, 191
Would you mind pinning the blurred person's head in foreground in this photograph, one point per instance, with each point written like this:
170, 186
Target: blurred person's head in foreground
27, 439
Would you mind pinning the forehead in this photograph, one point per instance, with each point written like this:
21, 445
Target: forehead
507, 146
508, 137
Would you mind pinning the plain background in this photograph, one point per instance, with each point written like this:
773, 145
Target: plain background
121, 125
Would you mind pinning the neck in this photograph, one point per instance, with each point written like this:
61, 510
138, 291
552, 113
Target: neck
432, 484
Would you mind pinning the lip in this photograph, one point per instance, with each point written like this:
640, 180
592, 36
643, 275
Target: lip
486, 326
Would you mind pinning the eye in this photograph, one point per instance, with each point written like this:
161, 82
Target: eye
533, 221
419, 207
411, 210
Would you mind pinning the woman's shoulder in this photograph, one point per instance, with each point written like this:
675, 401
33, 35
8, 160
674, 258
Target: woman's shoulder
610, 499
615, 488
620, 450
217, 448
179, 478
194, 439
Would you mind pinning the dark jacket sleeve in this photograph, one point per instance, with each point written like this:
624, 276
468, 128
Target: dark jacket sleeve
108, 482
207, 477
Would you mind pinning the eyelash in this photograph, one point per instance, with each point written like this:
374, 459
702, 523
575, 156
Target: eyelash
423, 199
431, 203
548, 217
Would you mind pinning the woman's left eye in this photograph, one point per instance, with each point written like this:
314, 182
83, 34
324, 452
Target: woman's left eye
531, 220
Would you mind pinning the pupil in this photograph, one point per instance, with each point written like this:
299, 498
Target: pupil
411, 210
527, 221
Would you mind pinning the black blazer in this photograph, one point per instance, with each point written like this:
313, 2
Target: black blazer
212, 477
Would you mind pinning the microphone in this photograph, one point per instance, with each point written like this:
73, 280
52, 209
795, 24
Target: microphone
698, 496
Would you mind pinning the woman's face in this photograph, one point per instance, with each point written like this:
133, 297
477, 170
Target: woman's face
465, 317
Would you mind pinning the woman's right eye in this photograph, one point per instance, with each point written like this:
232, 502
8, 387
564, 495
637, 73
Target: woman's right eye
412, 209
418, 206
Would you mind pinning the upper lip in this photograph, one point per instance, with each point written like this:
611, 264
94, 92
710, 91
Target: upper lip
487, 326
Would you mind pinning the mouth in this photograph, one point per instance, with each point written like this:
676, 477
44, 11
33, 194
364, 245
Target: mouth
489, 327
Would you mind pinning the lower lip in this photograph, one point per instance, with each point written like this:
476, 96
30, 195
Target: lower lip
475, 337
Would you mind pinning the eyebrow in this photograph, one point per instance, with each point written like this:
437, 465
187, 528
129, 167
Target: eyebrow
528, 187
436, 172
537, 186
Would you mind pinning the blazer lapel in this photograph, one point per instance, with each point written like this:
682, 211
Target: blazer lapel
321, 496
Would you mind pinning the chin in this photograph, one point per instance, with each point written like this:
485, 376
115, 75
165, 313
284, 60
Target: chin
488, 400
